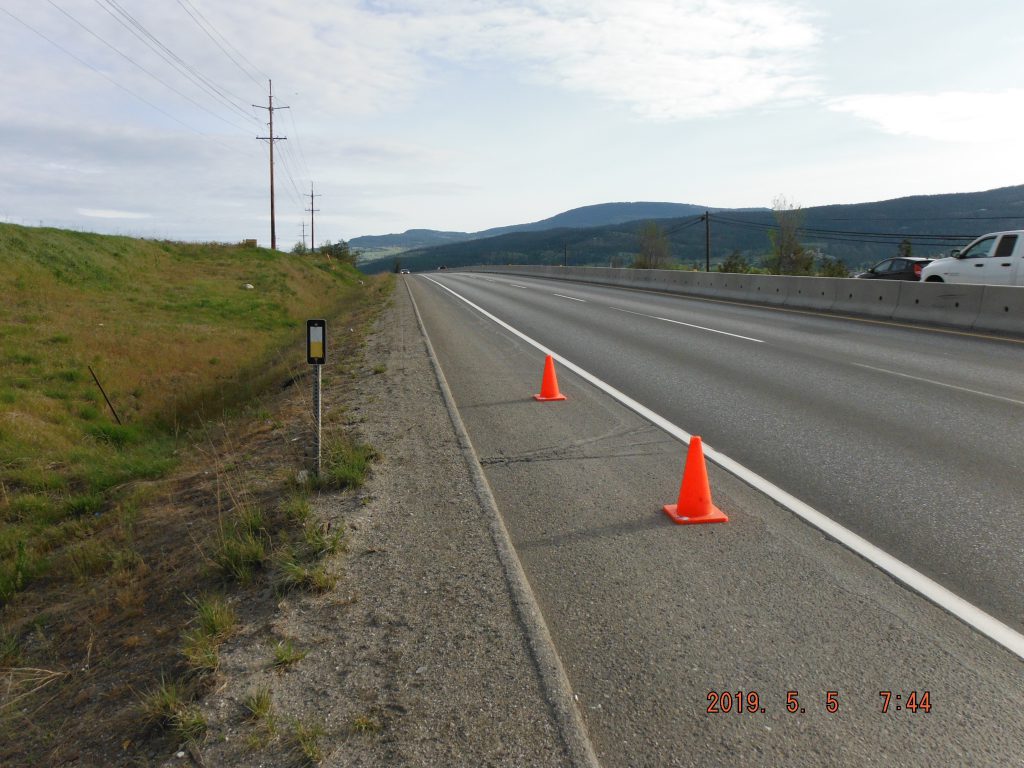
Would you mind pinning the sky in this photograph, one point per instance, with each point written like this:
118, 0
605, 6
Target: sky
137, 117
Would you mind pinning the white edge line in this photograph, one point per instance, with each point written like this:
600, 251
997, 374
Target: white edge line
941, 384
570, 298
970, 614
688, 325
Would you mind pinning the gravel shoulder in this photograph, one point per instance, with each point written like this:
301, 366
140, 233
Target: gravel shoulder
421, 655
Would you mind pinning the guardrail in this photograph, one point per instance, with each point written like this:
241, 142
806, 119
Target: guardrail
988, 308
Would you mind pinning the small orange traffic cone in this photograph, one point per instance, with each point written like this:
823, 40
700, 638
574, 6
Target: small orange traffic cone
549, 384
694, 504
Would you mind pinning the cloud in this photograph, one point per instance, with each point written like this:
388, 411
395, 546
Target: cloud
99, 213
951, 116
664, 59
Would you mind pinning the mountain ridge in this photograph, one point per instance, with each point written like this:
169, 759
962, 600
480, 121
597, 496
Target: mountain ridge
858, 234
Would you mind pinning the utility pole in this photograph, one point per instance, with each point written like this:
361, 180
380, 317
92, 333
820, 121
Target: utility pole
270, 140
303, 236
312, 209
707, 240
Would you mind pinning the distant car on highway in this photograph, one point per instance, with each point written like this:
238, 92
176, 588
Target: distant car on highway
404, 272
993, 259
899, 268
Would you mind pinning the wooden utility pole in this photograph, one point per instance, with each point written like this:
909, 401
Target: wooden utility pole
707, 241
312, 227
270, 140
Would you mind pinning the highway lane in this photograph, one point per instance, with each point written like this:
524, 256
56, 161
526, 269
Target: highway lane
912, 439
649, 618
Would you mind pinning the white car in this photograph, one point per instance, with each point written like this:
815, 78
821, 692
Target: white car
993, 259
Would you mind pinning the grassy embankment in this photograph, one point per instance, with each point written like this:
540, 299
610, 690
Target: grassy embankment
176, 338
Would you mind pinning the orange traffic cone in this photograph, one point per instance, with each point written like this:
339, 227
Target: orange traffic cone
694, 504
549, 384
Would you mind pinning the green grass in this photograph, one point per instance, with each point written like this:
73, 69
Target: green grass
168, 706
293, 573
344, 464
304, 741
286, 654
143, 315
258, 705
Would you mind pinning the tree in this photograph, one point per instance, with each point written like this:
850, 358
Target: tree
339, 251
788, 255
398, 266
829, 266
905, 249
735, 262
654, 251
299, 249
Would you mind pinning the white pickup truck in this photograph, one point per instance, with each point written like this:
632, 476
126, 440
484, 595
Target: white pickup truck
993, 259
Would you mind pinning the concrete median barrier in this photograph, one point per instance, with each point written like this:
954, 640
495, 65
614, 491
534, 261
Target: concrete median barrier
1001, 310
813, 292
998, 309
939, 303
873, 298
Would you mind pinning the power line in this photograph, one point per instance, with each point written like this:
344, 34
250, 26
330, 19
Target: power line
137, 64
195, 17
132, 24
228, 43
851, 235
117, 84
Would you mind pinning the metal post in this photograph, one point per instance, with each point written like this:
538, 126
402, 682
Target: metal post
316, 421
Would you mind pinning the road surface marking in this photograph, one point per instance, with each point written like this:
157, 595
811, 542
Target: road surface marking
688, 325
941, 384
968, 613
570, 298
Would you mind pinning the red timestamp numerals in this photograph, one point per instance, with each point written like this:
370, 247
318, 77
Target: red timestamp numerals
733, 701
913, 701
750, 702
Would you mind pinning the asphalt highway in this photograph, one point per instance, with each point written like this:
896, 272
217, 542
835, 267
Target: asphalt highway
909, 438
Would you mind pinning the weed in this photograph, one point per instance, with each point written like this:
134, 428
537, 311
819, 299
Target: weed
189, 724
379, 368
167, 707
238, 554
215, 621
250, 519
88, 559
84, 504
366, 724
10, 648
116, 435
293, 574
304, 740
160, 704
320, 541
296, 509
257, 703
344, 465
215, 616
15, 576
202, 652
286, 654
